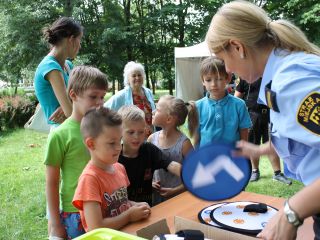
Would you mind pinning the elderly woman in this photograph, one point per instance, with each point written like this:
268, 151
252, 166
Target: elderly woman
134, 93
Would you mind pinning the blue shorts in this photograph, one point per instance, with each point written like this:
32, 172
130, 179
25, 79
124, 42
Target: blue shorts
72, 223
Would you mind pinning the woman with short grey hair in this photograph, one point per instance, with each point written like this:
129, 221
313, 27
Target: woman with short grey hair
134, 93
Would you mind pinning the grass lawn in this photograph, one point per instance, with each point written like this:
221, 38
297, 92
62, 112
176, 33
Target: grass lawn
22, 191
22, 185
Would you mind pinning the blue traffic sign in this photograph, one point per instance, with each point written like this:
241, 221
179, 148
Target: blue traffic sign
212, 173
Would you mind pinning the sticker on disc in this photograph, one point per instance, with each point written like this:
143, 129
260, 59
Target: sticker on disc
204, 215
231, 216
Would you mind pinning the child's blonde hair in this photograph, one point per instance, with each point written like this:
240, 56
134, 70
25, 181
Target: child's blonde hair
193, 118
131, 113
96, 119
176, 107
213, 65
180, 109
85, 77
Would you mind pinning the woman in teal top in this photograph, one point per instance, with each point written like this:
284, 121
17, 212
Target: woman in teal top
52, 74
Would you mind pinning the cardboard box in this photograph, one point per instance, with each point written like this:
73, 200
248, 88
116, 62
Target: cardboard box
210, 232
160, 227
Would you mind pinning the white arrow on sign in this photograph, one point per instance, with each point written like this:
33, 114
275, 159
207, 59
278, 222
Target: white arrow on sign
204, 175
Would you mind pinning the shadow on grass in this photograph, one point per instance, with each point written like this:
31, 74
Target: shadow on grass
6, 133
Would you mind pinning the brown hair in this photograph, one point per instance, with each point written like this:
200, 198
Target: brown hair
96, 119
85, 77
193, 118
250, 24
212, 65
63, 27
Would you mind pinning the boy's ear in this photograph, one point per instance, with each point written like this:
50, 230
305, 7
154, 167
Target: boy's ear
72, 95
89, 142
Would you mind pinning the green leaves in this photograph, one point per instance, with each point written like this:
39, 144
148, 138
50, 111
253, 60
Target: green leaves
117, 31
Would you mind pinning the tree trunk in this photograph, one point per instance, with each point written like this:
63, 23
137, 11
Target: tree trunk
140, 7
113, 86
181, 19
127, 18
68, 8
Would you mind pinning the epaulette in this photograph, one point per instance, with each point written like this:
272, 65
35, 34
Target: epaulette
271, 98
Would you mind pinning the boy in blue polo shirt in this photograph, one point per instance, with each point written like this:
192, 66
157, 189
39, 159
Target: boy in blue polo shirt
221, 116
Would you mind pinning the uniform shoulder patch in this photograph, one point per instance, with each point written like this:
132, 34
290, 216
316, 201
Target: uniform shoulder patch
308, 114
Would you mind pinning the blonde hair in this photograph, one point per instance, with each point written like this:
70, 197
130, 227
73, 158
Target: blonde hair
131, 113
131, 67
176, 107
212, 65
85, 77
250, 24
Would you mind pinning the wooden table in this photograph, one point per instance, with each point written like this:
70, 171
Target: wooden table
187, 206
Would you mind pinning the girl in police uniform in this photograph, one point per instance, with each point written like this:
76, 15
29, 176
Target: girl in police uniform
253, 46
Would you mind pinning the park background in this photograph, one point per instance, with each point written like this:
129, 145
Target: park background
116, 31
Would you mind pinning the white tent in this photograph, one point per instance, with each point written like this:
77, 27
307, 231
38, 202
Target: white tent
187, 67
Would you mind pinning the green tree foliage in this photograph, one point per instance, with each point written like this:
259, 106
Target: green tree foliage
118, 31
21, 47
104, 37
305, 14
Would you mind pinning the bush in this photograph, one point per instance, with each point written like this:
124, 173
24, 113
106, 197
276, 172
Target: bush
15, 111
5, 92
